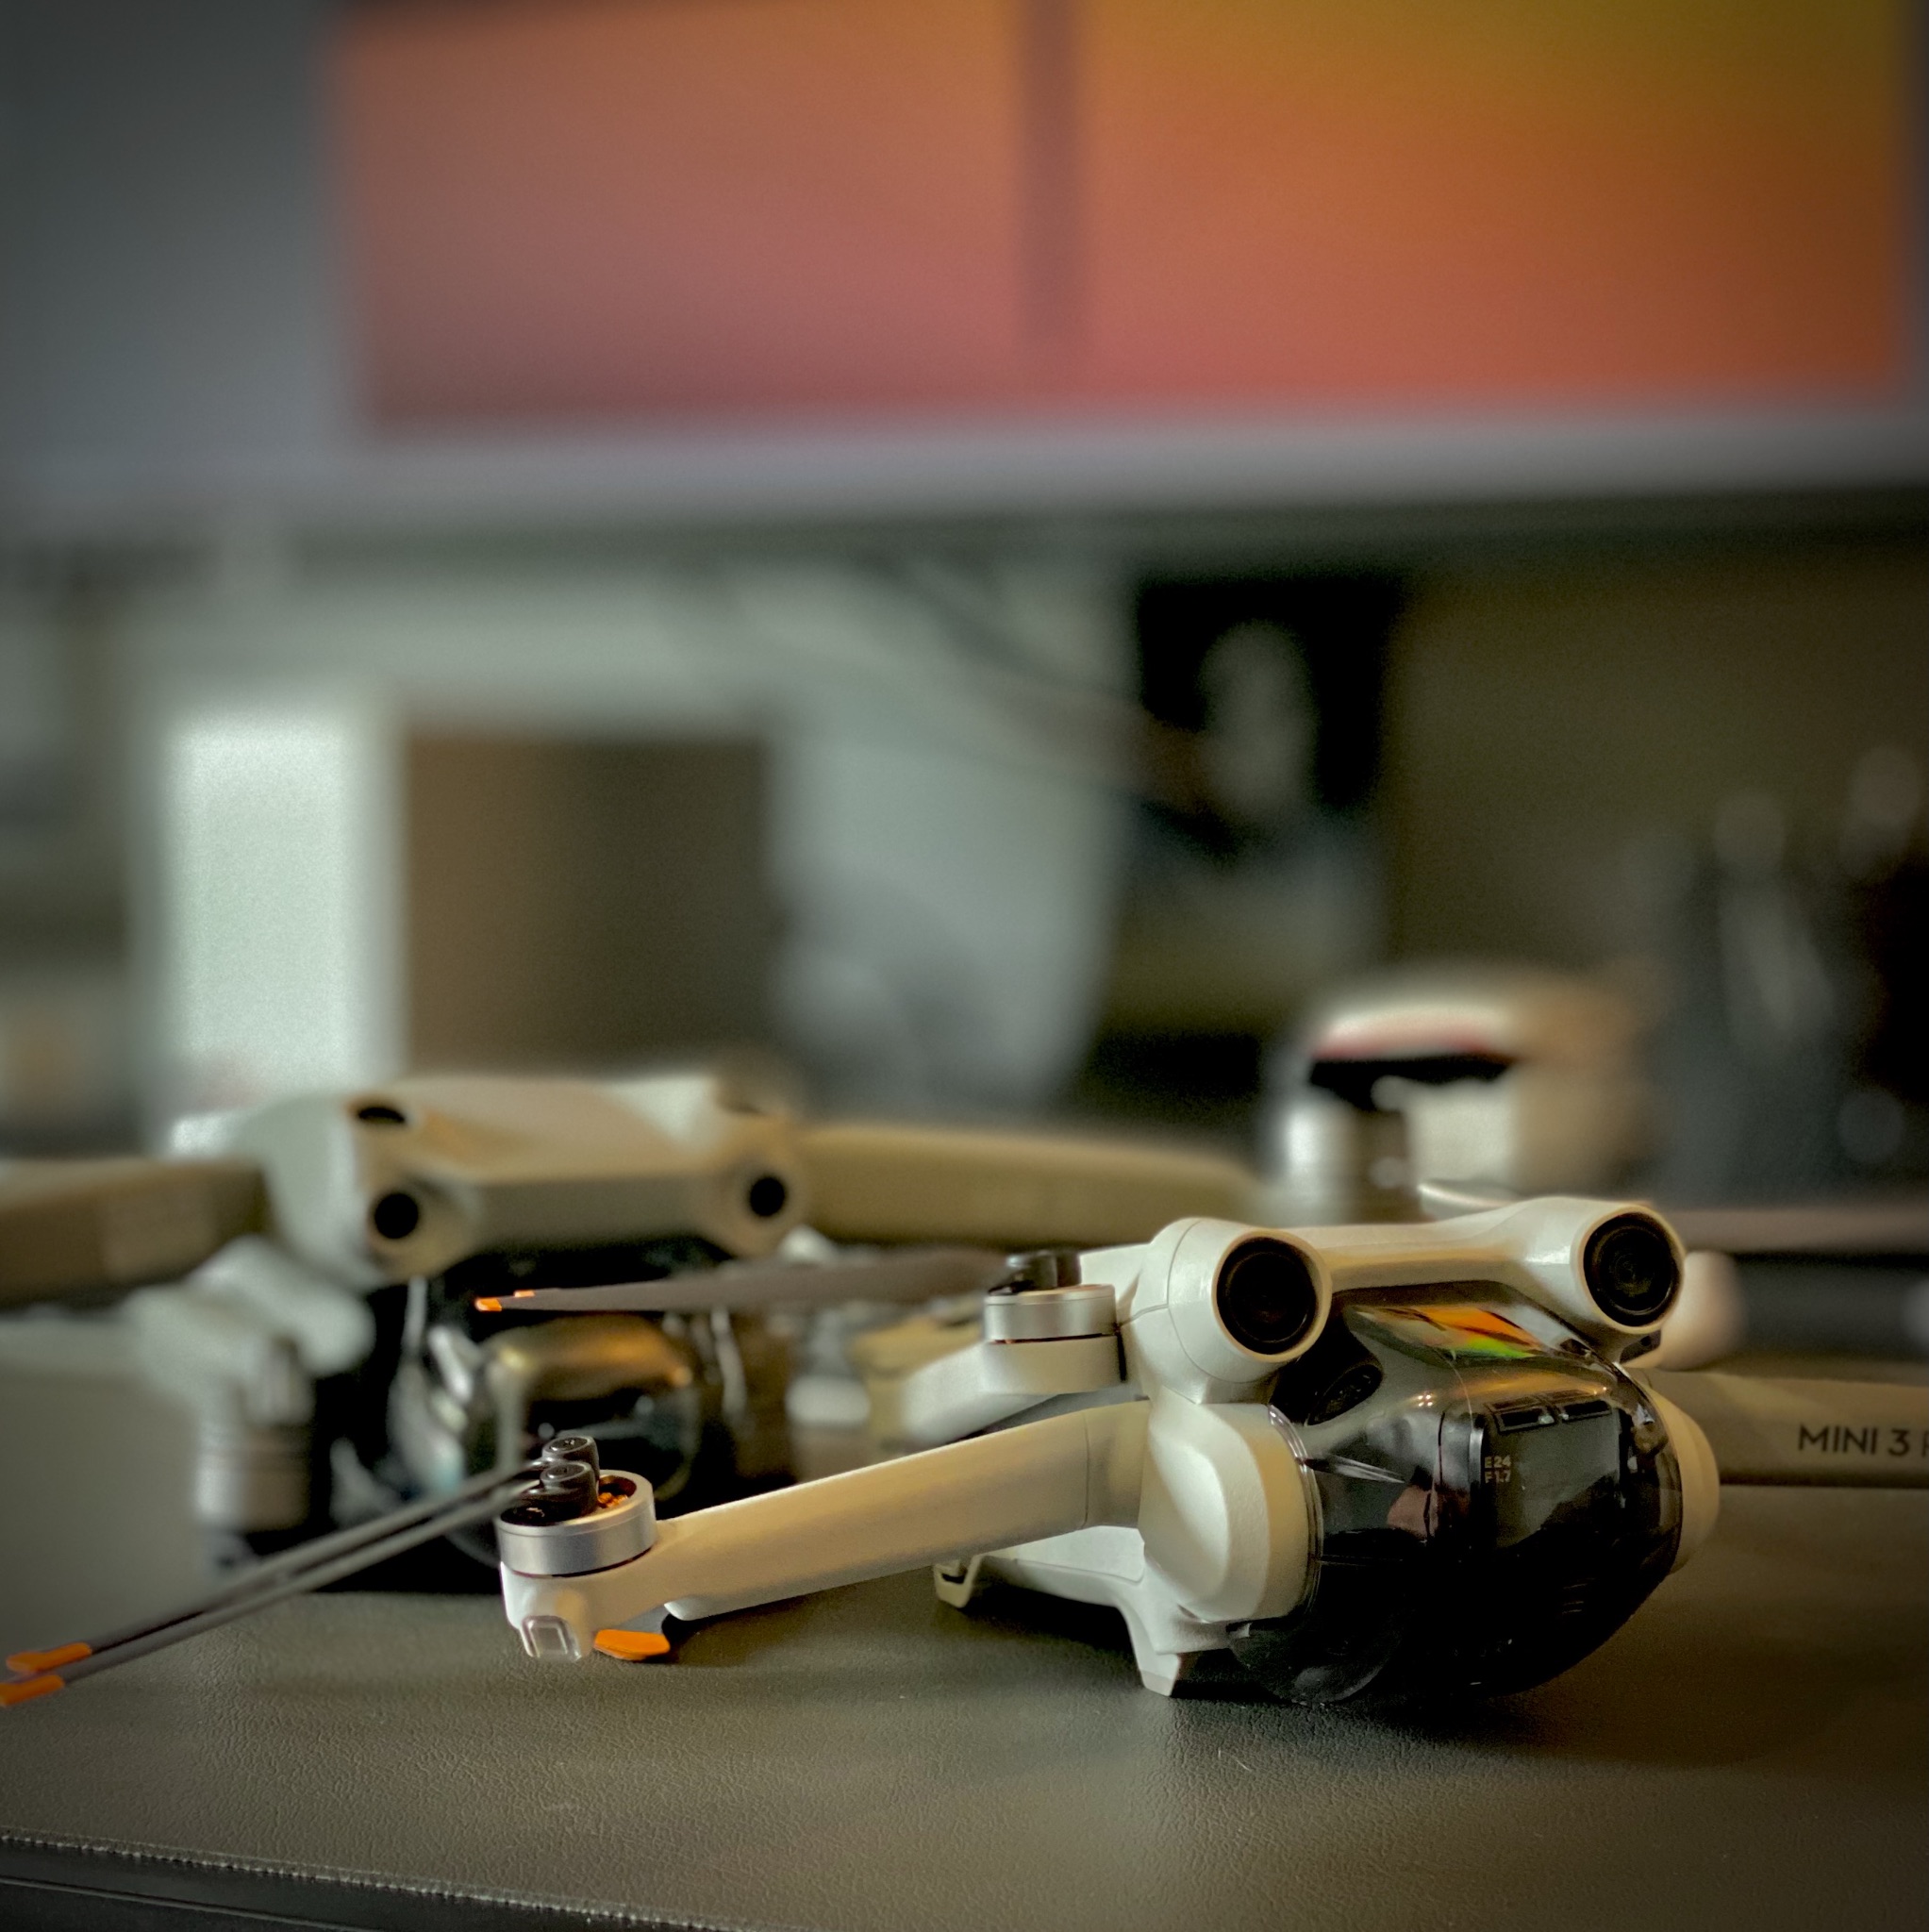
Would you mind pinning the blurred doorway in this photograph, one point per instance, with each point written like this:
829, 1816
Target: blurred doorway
573, 903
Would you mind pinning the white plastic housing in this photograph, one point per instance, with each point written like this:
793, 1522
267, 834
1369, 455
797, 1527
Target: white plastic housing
502, 1164
973, 1388
1226, 1511
1533, 1246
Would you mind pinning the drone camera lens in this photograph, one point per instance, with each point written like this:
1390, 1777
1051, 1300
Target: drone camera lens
1267, 1297
1630, 1270
767, 1197
396, 1216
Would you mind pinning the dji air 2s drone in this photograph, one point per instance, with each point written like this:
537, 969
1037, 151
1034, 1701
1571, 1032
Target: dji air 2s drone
1396, 1458
335, 1247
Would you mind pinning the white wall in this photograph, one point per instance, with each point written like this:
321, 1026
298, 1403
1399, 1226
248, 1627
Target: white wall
274, 894
948, 822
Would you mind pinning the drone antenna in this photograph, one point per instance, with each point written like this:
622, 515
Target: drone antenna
900, 1275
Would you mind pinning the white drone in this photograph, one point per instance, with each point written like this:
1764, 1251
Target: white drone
1390, 1455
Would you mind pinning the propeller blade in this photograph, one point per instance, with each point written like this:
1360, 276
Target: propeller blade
907, 1274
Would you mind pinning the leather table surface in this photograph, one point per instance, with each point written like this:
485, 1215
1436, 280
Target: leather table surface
1752, 1750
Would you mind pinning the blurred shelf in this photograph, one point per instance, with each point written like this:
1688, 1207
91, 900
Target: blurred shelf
1089, 472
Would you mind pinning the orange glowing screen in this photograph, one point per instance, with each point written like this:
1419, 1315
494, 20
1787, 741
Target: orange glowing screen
616, 205
623, 208
1402, 199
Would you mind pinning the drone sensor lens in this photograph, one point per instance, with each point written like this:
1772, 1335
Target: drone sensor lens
1631, 1270
767, 1197
1267, 1297
396, 1216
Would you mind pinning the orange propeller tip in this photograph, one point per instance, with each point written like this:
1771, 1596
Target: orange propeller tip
490, 1304
28, 1688
632, 1647
27, 1662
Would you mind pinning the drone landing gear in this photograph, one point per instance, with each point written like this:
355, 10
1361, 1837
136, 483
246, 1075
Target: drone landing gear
1103, 1564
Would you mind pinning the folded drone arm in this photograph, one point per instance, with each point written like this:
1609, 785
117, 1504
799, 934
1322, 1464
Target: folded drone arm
871, 1181
1036, 1480
1790, 1429
70, 1227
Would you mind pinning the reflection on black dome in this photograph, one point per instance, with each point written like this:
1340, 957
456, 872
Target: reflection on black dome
1494, 1501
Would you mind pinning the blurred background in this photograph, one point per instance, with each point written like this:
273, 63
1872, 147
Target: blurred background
991, 558
990, 550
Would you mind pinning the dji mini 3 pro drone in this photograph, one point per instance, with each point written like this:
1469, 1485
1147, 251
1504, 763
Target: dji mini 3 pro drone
1396, 1458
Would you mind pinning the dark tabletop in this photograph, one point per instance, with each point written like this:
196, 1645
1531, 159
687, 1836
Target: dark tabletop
1750, 1750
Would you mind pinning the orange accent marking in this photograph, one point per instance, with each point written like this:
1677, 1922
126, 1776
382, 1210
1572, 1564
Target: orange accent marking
1457, 1319
30, 1687
1470, 1320
1419, 1041
25, 1660
488, 1303
632, 1647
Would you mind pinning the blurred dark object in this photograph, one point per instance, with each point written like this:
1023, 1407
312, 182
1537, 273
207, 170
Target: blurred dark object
1255, 876
1860, 1309
1208, 1082
39, 726
1887, 881
1845, 1278
1793, 1062
1333, 632
1852, 1227
66, 1018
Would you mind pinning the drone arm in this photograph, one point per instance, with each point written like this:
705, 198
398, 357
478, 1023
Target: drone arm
79, 1226
1036, 1480
973, 1388
1777, 1429
890, 1182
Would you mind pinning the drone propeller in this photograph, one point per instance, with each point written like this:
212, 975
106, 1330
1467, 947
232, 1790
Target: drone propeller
307, 1567
900, 1275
